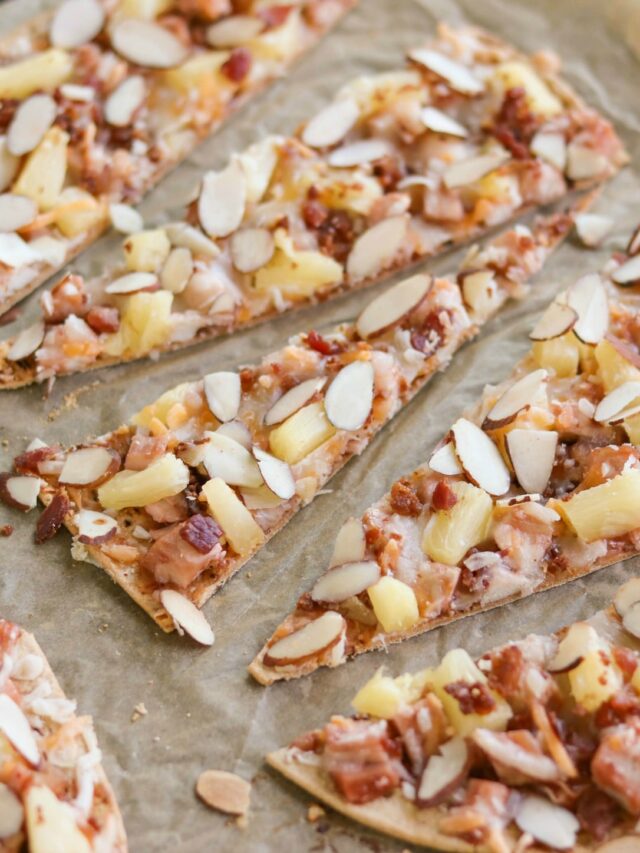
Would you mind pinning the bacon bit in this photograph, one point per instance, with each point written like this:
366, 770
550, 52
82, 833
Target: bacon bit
8, 106
28, 462
201, 532
336, 235
247, 378
483, 814
173, 558
52, 517
597, 813
474, 582
473, 698
404, 499
316, 342
443, 498
314, 212
6, 530
310, 741
515, 124
626, 660
615, 767
168, 510
144, 450
9, 634
388, 170
238, 65
67, 297
274, 16
103, 318
431, 334
617, 709
507, 672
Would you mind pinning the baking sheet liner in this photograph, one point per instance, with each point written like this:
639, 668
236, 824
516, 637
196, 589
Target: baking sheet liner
204, 711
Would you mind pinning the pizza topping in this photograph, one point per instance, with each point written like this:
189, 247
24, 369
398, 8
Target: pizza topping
11, 812
177, 556
522, 394
469, 171
349, 398
588, 298
222, 200
580, 639
626, 596
480, 458
186, 616
550, 147
15, 727
94, 528
89, 466
445, 461
20, 491
31, 121
233, 31
52, 518
558, 319
331, 124
628, 273
359, 153
376, 249
344, 581
251, 248
276, 474
147, 43
16, 211
143, 450
616, 765
456, 75
201, 532
584, 163
612, 407
293, 400
164, 477
392, 305
445, 771
76, 22
592, 228
27, 342
313, 639
123, 103
532, 453
223, 392
133, 282
439, 122
224, 791
548, 823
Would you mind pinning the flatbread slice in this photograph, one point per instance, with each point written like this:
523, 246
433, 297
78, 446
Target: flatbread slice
536, 486
483, 755
101, 100
176, 501
53, 791
363, 190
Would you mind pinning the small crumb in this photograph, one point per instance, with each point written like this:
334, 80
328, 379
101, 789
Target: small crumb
156, 739
6, 530
242, 822
315, 812
5, 443
224, 791
139, 711
102, 628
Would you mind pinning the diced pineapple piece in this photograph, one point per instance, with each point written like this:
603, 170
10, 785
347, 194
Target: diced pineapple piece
595, 679
605, 511
143, 8
145, 324
41, 72
561, 355
165, 477
198, 71
78, 212
382, 696
613, 367
161, 407
457, 665
42, 176
513, 74
497, 187
450, 533
300, 434
51, 824
394, 604
632, 427
296, 274
147, 250
238, 525
356, 193
375, 92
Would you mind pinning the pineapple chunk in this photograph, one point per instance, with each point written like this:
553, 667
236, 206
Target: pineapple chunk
382, 696
497, 187
540, 98
146, 323
143, 8
394, 604
146, 251
51, 824
296, 274
632, 426
561, 355
164, 478
595, 679
77, 212
300, 434
613, 367
41, 72
238, 525
605, 511
42, 176
162, 406
197, 72
375, 92
450, 533
457, 665
357, 192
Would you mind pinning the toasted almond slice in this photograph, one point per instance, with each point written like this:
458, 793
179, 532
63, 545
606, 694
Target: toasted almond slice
392, 305
238, 431
31, 121
147, 43
123, 103
445, 461
633, 246
631, 620
350, 544
15, 727
501, 749
276, 474
592, 228
557, 320
628, 594
251, 248
580, 639
341, 582
231, 462
51, 250
89, 466
444, 772
532, 453
376, 249
550, 147
76, 22
27, 342
616, 401
358, 153
234, 31
8, 165
181, 234
292, 400
584, 163
20, 491
439, 122
628, 273
187, 616
125, 218
479, 289
133, 282
466, 172
312, 639
480, 458
14, 252
331, 124
458, 76
222, 200
546, 822
588, 297
11, 811
522, 394
223, 791
349, 398
94, 528
16, 211
223, 392
75, 92
177, 270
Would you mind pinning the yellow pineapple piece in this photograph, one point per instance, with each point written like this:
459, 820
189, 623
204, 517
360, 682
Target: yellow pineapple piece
145, 324
560, 355
77, 212
197, 71
632, 427
42, 176
238, 525
52, 824
595, 679
41, 72
496, 187
614, 369
143, 8
300, 434
394, 604
161, 407
609, 510
375, 92
296, 273
382, 696
165, 477
514, 74
356, 192
450, 533
147, 250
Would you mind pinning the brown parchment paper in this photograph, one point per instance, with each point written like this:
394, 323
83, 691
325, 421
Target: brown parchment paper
203, 709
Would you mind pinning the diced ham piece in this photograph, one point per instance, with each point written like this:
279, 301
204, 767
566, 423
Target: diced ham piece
422, 727
616, 765
184, 551
67, 297
103, 318
169, 510
143, 450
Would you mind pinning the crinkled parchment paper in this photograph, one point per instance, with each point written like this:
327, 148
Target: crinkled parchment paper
203, 709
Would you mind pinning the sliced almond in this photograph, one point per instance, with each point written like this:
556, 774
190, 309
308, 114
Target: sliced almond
444, 772
312, 639
479, 290
76, 92
125, 100
439, 122
631, 620
615, 402
76, 22
231, 462
16, 211
480, 458
238, 431
358, 153
458, 76
20, 491
14, 252
132, 283
147, 43
376, 249
392, 305
94, 528
466, 172
181, 234
445, 461
505, 752
627, 595
592, 228
187, 616
8, 165
31, 121
546, 822
89, 466
251, 248
276, 474
223, 392
518, 397
234, 31
532, 453
51, 250
292, 400
27, 342
331, 124
15, 727
580, 639
584, 163
11, 812
558, 319
223, 791
628, 273
341, 582
633, 246
177, 270
588, 297
349, 398
222, 200
550, 147
125, 219
350, 544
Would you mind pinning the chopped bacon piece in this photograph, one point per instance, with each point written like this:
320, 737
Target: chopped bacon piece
322, 345
314, 213
52, 517
238, 65
626, 659
389, 171
336, 235
615, 767
310, 741
432, 334
143, 450
473, 698
103, 318
623, 704
168, 510
173, 559
201, 532
604, 463
515, 124
9, 633
443, 498
275, 16
597, 813
422, 727
404, 499
484, 813
66, 298
507, 672
6, 530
